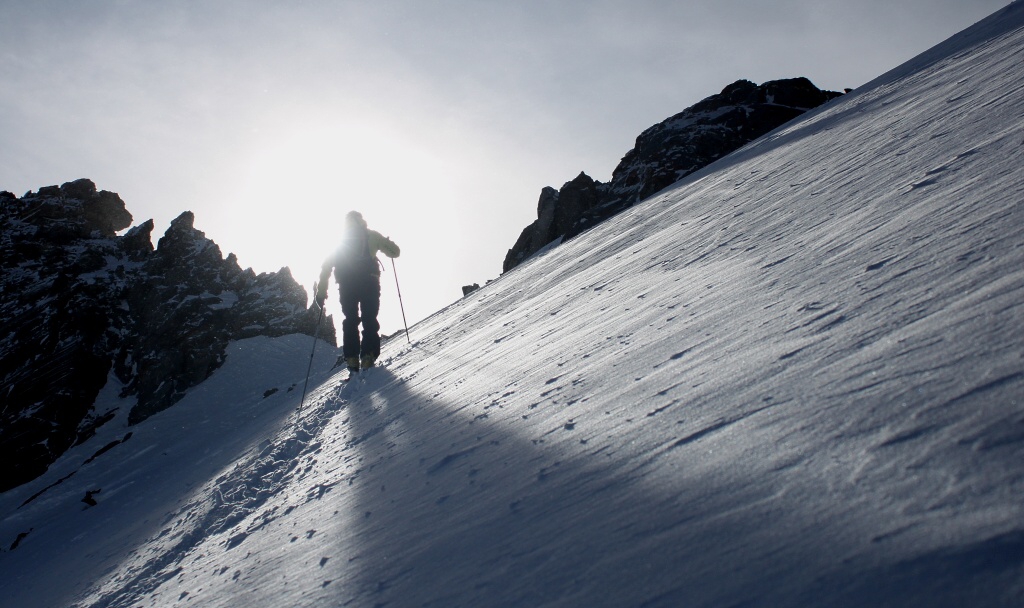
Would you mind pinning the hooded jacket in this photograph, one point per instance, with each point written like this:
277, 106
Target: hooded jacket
357, 255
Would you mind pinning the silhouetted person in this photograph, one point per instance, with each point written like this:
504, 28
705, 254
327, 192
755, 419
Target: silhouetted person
357, 271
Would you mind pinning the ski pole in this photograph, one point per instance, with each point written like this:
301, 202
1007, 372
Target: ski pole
316, 333
400, 305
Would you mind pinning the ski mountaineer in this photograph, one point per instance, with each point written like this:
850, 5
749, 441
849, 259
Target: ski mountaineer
357, 271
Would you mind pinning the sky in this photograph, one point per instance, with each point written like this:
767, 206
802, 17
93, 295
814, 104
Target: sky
439, 121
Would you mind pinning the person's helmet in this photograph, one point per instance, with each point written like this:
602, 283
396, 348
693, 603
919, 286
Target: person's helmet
355, 218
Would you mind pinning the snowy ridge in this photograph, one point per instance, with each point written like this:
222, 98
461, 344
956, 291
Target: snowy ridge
78, 301
794, 379
665, 153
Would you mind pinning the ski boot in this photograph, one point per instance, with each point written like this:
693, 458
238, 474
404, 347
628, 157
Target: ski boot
353, 364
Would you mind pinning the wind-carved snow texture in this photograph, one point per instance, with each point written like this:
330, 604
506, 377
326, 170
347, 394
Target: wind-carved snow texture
793, 380
236, 504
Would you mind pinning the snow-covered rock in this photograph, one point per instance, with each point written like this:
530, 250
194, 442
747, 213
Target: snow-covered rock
79, 301
664, 154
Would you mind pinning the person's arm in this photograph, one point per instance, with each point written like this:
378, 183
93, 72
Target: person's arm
383, 244
325, 276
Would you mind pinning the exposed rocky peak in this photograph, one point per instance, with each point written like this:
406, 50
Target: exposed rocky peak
137, 243
664, 154
75, 210
186, 259
79, 302
707, 131
576, 198
558, 213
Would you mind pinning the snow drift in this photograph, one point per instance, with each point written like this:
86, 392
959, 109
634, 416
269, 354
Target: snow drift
794, 379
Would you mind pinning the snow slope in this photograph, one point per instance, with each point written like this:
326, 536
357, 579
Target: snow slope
793, 379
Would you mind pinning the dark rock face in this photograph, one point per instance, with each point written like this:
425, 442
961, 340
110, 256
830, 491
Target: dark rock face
666, 153
80, 302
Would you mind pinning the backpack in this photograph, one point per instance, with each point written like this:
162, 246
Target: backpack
353, 256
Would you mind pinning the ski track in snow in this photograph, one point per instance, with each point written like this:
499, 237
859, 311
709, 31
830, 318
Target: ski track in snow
794, 379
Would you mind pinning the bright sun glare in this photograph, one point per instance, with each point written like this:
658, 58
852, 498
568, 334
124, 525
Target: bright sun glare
299, 183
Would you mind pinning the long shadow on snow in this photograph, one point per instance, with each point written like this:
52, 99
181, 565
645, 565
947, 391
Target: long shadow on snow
460, 512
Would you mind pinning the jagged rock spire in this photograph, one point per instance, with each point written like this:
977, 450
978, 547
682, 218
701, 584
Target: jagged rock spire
79, 303
666, 153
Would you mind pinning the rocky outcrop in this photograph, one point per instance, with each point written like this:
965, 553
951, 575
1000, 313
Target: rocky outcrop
80, 303
559, 215
664, 154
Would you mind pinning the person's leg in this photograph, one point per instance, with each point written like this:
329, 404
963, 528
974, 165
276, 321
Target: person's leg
350, 326
370, 306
